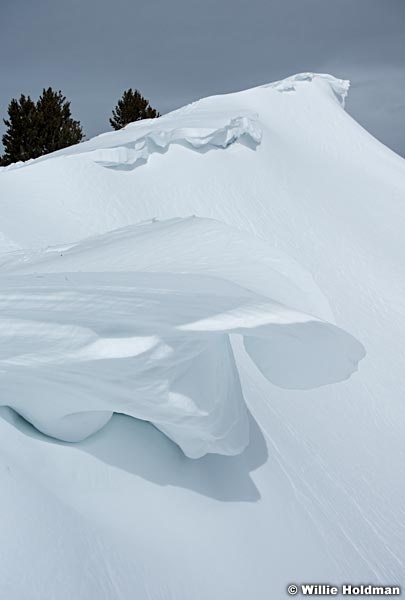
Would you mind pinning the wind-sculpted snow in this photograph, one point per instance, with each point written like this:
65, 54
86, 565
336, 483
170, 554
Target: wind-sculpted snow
137, 153
309, 221
213, 248
131, 148
339, 87
106, 326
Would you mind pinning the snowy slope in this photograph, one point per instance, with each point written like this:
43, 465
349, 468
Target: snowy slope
316, 209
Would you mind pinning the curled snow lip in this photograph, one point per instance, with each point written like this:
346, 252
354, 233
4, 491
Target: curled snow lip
339, 87
137, 153
93, 330
130, 147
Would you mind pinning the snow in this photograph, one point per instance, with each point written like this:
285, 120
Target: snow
208, 327
82, 341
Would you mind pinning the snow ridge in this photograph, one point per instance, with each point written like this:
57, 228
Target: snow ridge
132, 146
135, 149
138, 152
340, 87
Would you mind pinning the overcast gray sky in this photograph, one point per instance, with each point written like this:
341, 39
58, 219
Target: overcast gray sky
176, 51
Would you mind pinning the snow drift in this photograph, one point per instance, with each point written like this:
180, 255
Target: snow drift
296, 252
83, 341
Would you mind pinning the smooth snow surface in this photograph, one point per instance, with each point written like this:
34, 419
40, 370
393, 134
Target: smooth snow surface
114, 299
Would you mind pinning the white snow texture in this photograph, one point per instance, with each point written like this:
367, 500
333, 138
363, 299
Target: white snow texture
110, 326
210, 273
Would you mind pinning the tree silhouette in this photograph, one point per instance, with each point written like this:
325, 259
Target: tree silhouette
35, 129
131, 107
57, 128
21, 138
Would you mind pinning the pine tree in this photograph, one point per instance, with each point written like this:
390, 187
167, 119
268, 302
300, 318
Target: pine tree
57, 129
21, 139
34, 129
131, 107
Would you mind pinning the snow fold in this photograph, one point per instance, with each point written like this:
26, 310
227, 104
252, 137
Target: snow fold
131, 148
339, 87
108, 326
138, 152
